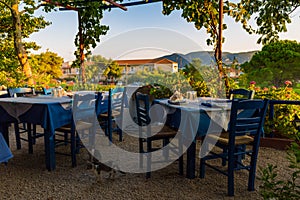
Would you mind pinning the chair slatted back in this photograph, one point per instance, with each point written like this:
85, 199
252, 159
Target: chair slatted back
142, 109
116, 98
47, 91
84, 107
20, 91
241, 94
250, 125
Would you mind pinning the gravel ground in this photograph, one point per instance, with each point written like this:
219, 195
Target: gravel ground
25, 177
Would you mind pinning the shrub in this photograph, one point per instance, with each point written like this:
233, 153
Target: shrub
274, 188
284, 115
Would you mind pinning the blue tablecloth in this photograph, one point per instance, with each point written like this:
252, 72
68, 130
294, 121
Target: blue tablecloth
49, 112
195, 119
201, 119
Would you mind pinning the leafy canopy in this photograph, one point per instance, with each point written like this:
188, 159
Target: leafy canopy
274, 64
17, 21
90, 28
46, 66
271, 16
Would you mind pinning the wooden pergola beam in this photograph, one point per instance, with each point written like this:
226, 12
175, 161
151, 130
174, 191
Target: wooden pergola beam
116, 5
67, 7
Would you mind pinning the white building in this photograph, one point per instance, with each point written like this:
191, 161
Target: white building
132, 66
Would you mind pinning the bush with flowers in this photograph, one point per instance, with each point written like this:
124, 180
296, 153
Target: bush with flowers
284, 114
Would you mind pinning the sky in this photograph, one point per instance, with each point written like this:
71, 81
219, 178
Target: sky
144, 32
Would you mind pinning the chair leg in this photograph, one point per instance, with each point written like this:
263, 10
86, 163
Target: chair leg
149, 158
141, 150
73, 147
109, 127
223, 159
17, 133
203, 152
30, 138
230, 174
66, 138
202, 168
120, 134
34, 134
252, 171
180, 159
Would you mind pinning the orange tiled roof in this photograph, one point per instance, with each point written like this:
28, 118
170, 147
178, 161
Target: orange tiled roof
144, 61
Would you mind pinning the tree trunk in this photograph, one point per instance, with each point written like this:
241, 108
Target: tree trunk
19, 47
218, 53
81, 50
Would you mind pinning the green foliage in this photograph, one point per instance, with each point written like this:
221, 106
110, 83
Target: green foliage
271, 16
274, 188
160, 91
45, 67
90, 87
112, 72
284, 115
95, 67
30, 23
90, 14
275, 63
16, 25
166, 83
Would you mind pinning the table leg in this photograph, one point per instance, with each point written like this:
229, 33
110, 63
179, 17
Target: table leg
191, 161
49, 150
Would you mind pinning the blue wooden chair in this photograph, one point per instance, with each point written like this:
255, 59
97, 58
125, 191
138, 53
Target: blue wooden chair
19, 92
241, 94
112, 119
164, 133
241, 131
47, 91
83, 126
21, 128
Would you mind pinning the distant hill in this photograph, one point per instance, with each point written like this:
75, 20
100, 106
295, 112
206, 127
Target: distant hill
207, 57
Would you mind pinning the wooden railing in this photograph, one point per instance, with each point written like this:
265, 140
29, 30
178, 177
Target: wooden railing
287, 102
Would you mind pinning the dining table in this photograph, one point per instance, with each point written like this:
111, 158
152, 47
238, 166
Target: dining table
195, 119
45, 110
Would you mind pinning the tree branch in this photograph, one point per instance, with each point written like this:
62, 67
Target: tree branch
8, 6
35, 8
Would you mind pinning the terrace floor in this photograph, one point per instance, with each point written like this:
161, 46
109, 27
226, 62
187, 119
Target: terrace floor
25, 177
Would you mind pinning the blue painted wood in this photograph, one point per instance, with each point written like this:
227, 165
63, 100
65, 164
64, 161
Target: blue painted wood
145, 136
239, 125
24, 127
115, 103
241, 94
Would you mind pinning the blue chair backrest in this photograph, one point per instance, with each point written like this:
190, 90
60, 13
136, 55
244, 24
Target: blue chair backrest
142, 109
115, 99
247, 125
47, 91
241, 94
20, 91
84, 107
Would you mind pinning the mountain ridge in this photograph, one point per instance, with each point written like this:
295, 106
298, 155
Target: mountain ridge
207, 57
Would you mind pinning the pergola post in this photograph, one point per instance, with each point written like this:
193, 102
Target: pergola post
82, 77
